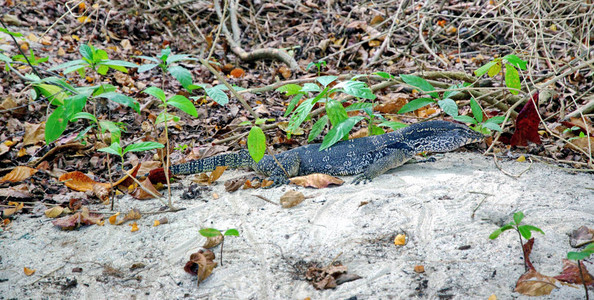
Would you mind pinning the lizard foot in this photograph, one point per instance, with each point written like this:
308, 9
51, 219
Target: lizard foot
277, 181
361, 179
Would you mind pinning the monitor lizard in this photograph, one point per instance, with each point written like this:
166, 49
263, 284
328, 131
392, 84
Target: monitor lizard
368, 156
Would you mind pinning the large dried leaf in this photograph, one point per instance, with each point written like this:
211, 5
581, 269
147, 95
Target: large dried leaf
316, 180
34, 133
141, 194
11, 210
327, 277
19, 173
201, 264
291, 198
533, 283
20, 191
527, 124
583, 143
571, 273
78, 219
78, 181
54, 212
204, 179
581, 236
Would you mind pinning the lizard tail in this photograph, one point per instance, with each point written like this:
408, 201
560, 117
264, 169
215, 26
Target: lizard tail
231, 160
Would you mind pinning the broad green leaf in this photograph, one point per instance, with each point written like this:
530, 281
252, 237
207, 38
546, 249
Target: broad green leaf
453, 90
512, 79
114, 130
142, 146
79, 62
532, 228
518, 216
74, 105
15, 34
75, 68
104, 88
102, 69
86, 51
420, 83
311, 64
516, 61
179, 57
155, 92
485, 68
231, 232
153, 59
356, 88
300, 113
114, 149
122, 99
292, 104
465, 119
144, 68
336, 113
209, 232
326, 80
477, 112
393, 125
100, 55
54, 94
492, 126
449, 106
525, 232
161, 118
289, 89
83, 115
384, 75
183, 104
376, 130
317, 128
415, 104
217, 95
256, 143
497, 232
578, 255
165, 53
494, 70
496, 120
310, 87
56, 124
182, 75
120, 63
359, 106
339, 131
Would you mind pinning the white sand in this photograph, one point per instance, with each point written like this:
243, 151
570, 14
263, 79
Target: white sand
432, 203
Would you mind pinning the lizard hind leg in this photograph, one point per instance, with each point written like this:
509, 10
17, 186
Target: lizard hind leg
395, 158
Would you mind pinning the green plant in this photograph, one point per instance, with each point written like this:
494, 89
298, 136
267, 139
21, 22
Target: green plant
575, 128
212, 233
511, 74
523, 230
579, 256
318, 65
167, 63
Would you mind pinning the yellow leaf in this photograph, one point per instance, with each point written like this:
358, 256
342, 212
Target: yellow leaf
157, 223
134, 227
54, 212
83, 19
75, 37
492, 297
28, 271
400, 240
32, 38
112, 219
522, 158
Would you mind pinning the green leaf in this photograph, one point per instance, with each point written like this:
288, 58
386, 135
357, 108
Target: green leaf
83, 115
54, 94
492, 126
525, 232
359, 106
317, 128
161, 118
15, 34
217, 94
142, 146
516, 61
496, 120
384, 75
293, 103
122, 99
119, 63
356, 88
149, 58
339, 131
485, 68
310, 87
420, 83
578, 255
56, 124
376, 130
300, 114
182, 75
256, 143
99, 55
231, 232
74, 104
497, 232
179, 57
102, 69
116, 132
146, 67
155, 92
393, 125
209, 232
465, 119
336, 113
532, 228
104, 88
512, 79
289, 89
326, 80
86, 51
183, 104
518, 216
477, 112
494, 70
449, 107
415, 104
453, 90
114, 149
165, 53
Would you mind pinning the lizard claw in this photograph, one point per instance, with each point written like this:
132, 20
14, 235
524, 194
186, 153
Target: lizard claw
361, 179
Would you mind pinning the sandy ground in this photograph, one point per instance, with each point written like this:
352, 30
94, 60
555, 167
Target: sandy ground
435, 204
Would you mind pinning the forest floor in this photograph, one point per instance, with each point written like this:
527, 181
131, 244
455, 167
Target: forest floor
540, 164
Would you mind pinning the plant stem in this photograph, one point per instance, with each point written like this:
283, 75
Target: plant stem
579, 262
222, 243
522, 247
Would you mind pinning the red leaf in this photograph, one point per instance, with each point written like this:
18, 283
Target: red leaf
527, 124
158, 176
571, 273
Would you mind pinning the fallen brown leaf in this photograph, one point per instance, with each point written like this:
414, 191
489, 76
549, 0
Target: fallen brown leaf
19, 173
201, 264
7, 212
291, 198
54, 212
78, 219
34, 133
316, 180
78, 181
213, 241
571, 273
140, 194
20, 191
28, 271
533, 283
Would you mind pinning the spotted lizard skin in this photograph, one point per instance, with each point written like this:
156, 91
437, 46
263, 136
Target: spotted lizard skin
368, 156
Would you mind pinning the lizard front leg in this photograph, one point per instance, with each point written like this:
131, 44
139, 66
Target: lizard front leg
279, 168
395, 158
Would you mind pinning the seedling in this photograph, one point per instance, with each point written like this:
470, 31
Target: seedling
522, 230
212, 232
512, 77
318, 65
579, 256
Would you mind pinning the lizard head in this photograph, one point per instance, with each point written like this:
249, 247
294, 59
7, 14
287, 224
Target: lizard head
442, 136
